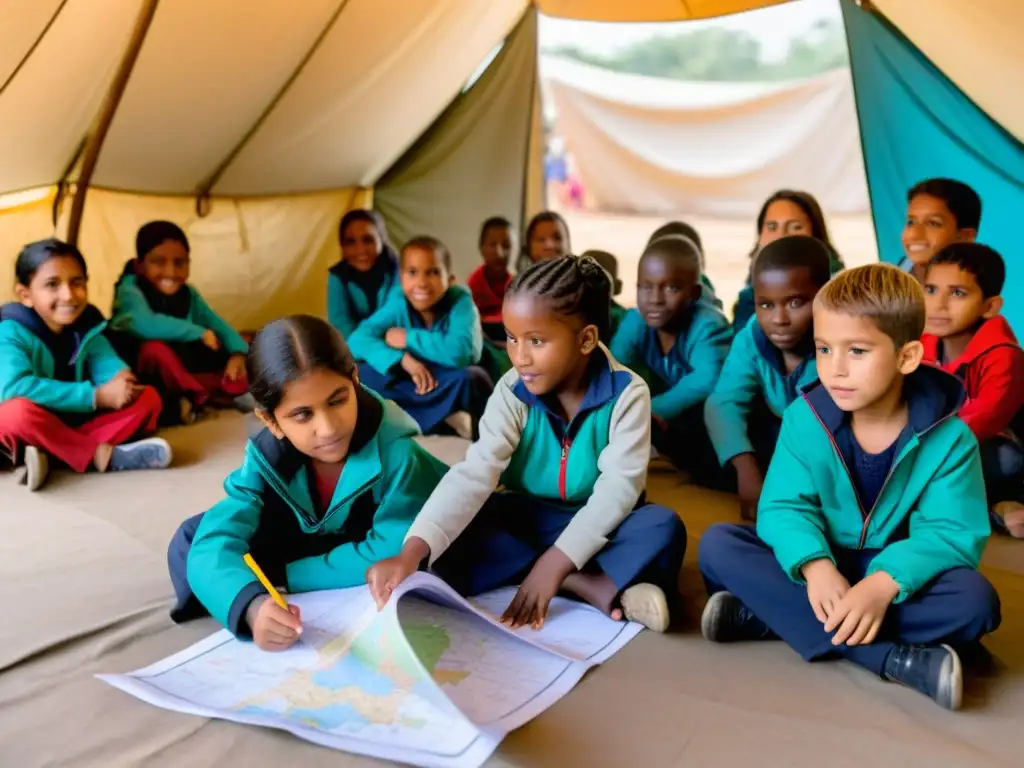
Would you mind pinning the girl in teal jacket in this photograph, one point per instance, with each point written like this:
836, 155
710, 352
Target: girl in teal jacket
366, 277
566, 435
328, 488
63, 391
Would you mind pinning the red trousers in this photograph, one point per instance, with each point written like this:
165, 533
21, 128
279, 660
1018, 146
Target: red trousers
22, 422
161, 366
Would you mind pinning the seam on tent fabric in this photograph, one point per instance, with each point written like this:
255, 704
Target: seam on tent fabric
894, 71
860, 133
203, 191
32, 48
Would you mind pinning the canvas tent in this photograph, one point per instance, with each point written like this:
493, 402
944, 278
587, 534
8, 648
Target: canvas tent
256, 123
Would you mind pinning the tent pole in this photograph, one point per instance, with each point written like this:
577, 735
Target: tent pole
100, 126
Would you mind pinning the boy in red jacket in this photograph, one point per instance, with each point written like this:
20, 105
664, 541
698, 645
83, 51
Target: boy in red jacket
966, 336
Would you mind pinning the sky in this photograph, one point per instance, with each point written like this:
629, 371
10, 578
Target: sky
774, 27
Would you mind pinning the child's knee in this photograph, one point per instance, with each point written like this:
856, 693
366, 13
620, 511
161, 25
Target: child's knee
979, 599
718, 542
156, 352
149, 400
20, 414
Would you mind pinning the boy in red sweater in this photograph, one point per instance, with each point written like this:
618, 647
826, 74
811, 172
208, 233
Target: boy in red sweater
965, 335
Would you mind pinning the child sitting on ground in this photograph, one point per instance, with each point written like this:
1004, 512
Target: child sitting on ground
421, 349
681, 228
939, 212
968, 337
610, 265
677, 342
771, 358
367, 274
325, 490
873, 517
63, 390
566, 435
488, 284
547, 237
169, 335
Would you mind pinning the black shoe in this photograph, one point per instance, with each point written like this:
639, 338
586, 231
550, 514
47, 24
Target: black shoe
727, 620
935, 671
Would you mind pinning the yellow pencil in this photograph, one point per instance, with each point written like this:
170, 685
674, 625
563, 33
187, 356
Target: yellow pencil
264, 581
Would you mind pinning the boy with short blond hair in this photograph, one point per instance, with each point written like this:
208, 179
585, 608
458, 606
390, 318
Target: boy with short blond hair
873, 516
966, 336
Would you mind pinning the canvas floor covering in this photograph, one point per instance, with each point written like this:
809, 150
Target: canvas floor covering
84, 589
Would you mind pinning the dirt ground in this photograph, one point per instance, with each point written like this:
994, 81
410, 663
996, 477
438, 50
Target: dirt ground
727, 244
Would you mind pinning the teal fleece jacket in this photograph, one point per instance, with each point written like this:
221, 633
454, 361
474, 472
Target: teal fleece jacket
133, 314
454, 341
931, 515
753, 369
386, 479
28, 366
352, 297
685, 376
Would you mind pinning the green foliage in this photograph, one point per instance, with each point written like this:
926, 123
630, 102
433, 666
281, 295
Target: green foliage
720, 54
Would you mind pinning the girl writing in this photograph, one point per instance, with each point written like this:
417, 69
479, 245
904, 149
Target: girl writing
567, 435
325, 490
63, 390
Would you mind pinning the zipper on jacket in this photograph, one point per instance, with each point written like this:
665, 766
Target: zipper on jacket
566, 444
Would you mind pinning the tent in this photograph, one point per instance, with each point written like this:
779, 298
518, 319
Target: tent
256, 123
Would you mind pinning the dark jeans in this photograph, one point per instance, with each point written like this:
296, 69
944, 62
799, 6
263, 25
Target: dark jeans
958, 607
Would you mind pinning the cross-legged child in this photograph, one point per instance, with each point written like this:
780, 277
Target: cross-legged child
787, 212
169, 335
325, 490
968, 337
677, 342
873, 516
939, 212
566, 435
547, 237
367, 274
488, 284
63, 391
422, 348
771, 358
610, 264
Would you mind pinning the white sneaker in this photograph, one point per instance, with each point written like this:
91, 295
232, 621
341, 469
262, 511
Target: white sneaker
37, 468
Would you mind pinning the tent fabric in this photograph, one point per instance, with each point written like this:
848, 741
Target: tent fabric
647, 10
719, 149
253, 259
323, 94
916, 124
976, 45
445, 184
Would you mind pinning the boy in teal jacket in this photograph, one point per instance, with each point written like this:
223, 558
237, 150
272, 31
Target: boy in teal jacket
770, 359
677, 341
162, 327
873, 516
423, 347
314, 508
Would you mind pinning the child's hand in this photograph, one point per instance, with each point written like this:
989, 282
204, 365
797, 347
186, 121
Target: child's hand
826, 587
396, 338
235, 369
117, 393
421, 375
748, 484
209, 338
859, 615
530, 605
273, 628
384, 576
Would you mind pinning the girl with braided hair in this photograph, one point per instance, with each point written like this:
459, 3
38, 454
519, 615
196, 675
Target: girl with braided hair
566, 434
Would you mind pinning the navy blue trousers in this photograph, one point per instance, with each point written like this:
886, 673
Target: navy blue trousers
957, 608
687, 445
458, 389
511, 532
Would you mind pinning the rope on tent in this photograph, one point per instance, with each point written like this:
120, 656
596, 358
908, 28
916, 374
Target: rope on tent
94, 139
204, 189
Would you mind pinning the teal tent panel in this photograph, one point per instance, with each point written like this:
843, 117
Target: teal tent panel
916, 124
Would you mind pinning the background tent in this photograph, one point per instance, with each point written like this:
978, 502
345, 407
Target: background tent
257, 123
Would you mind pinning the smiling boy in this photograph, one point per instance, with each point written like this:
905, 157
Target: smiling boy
873, 516
939, 212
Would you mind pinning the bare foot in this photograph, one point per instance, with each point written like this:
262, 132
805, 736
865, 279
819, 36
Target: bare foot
102, 458
597, 589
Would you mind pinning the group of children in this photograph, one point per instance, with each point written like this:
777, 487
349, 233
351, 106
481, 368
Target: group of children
847, 413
